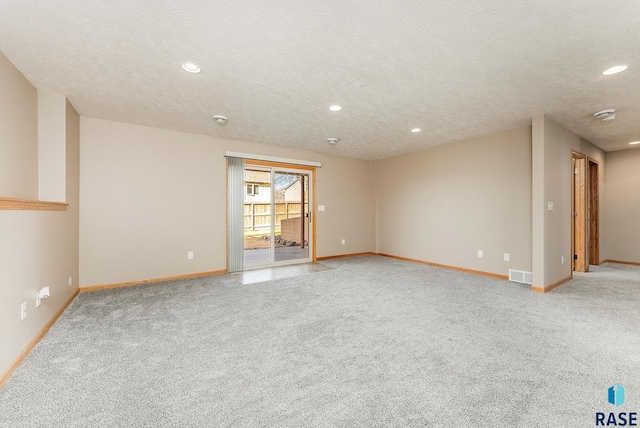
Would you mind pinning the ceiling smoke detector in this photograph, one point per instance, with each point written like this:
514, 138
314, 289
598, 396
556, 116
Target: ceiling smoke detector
332, 140
605, 114
220, 120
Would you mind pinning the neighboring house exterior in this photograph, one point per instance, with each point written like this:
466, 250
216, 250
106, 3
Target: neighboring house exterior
292, 192
257, 187
257, 198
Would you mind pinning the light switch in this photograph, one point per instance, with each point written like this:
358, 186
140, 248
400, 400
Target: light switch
320, 207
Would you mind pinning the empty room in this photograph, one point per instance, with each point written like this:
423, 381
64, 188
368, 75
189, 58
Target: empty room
349, 214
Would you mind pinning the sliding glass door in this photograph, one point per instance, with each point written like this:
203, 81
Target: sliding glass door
292, 216
277, 216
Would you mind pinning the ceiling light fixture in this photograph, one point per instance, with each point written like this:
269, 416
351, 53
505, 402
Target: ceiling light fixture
190, 67
335, 108
332, 140
414, 130
634, 143
220, 120
614, 70
605, 114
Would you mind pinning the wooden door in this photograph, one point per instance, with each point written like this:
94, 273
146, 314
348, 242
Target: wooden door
580, 261
594, 210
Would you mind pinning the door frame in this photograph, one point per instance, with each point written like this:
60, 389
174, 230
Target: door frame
287, 167
593, 207
585, 205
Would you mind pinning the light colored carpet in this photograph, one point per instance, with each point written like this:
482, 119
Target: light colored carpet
373, 342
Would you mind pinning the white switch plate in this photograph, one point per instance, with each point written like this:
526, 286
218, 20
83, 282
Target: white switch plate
506, 257
562, 259
480, 253
320, 207
344, 241
23, 311
190, 255
70, 280
550, 206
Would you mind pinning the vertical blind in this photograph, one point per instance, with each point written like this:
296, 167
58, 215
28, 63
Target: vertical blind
235, 209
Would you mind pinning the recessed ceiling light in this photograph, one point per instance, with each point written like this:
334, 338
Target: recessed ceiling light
614, 70
634, 143
190, 67
335, 108
414, 130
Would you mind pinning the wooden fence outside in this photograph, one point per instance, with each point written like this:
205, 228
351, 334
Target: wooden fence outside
258, 215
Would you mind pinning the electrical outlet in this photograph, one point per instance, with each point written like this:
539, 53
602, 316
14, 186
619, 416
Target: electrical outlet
480, 253
23, 311
506, 257
562, 259
190, 255
344, 241
70, 281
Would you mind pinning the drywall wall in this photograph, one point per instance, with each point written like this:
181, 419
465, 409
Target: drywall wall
52, 125
538, 199
19, 139
552, 184
621, 234
38, 248
69, 246
443, 204
148, 196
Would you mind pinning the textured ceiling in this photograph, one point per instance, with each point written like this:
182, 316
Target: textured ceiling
456, 69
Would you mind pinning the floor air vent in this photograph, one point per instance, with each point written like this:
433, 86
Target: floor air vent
520, 276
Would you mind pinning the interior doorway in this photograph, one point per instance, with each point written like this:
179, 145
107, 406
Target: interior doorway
594, 212
278, 228
585, 233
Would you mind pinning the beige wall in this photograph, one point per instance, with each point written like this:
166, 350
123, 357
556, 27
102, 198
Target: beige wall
444, 204
38, 248
538, 198
70, 244
621, 234
52, 126
19, 139
148, 196
552, 148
